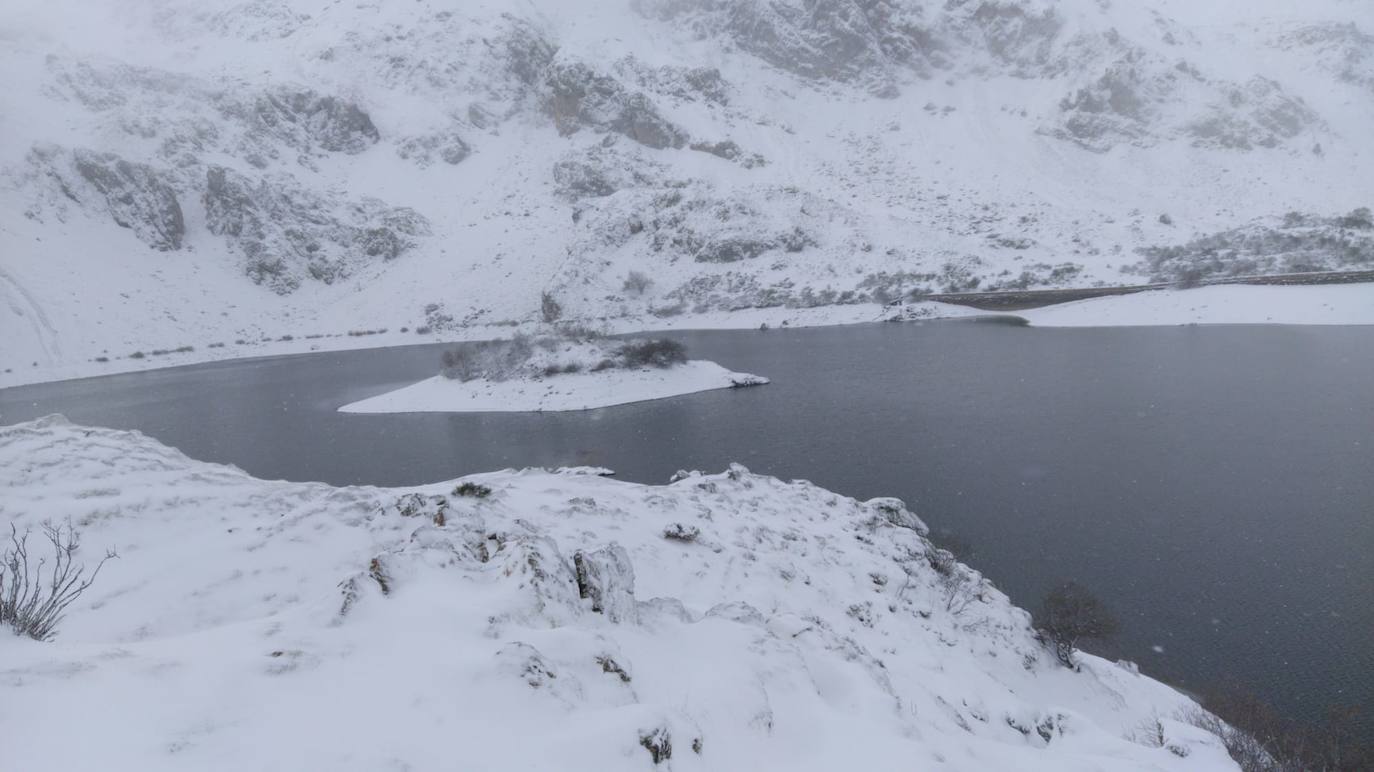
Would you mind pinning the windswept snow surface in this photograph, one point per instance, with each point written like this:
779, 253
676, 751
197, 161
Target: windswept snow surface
564, 621
571, 391
1224, 304
180, 173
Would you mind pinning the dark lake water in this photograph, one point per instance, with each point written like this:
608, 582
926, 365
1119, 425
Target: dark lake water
1214, 484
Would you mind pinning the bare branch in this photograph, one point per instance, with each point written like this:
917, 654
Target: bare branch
30, 605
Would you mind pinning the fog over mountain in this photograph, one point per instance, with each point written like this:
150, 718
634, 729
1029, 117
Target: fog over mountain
176, 172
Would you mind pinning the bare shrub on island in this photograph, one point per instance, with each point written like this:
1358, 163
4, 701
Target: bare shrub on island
658, 352
573, 349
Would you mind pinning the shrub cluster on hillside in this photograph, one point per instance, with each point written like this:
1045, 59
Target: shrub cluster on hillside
653, 353
572, 350
1259, 739
1298, 244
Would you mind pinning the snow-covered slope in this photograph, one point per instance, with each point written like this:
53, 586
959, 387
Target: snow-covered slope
181, 173
563, 621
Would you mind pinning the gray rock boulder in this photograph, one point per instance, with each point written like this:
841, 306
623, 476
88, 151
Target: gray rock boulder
730, 151
550, 587
606, 577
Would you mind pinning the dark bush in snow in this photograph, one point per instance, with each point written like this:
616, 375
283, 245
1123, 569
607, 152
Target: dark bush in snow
1070, 613
35, 593
549, 308
636, 283
653, 353
472, 490
495, 360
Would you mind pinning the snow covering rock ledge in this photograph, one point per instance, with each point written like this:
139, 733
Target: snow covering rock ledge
547, 624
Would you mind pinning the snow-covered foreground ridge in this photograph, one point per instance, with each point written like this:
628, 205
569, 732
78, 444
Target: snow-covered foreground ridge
573, 391
564, 621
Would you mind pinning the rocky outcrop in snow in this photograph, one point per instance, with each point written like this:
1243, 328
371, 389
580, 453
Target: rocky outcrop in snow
606, 578
604, 168
424, 150
184, 118
1142, 98
877, 45
287, 233
1296, 243
136, 196
1257, 114
1341, 48
576, 95
303, 120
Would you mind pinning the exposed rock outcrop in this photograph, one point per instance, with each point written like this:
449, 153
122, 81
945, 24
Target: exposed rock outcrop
606, 578
136, 196
577, 96
302, 119
425, 149
287, 233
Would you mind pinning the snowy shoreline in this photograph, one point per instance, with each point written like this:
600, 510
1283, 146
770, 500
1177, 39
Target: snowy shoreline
573, 391
1327, 304
1344, 304
531, 617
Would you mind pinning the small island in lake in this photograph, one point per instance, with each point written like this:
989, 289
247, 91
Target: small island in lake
574, 369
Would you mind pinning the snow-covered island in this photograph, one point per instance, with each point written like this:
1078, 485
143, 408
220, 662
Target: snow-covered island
571, 370
534, 620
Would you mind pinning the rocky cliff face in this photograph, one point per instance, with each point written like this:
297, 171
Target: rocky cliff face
136, 196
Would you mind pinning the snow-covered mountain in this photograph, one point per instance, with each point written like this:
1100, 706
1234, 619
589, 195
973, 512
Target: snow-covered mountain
541, 621
180, 173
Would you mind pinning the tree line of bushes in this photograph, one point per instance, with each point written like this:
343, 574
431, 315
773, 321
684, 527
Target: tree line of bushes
519, 356
1256, 736
1301, 243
